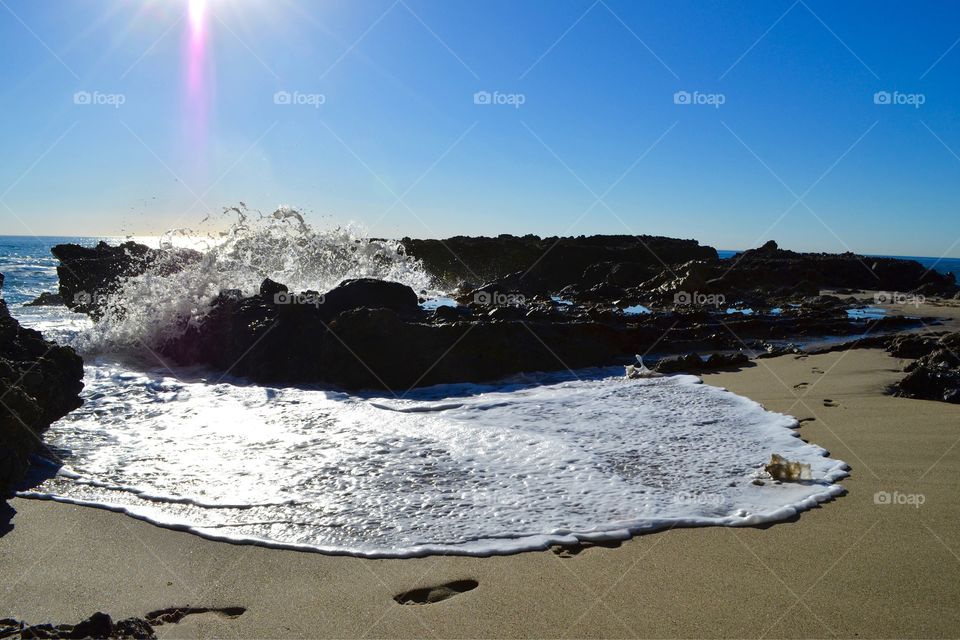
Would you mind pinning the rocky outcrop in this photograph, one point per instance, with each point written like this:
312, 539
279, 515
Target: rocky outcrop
371, 334
374, 346
935, 375
660, 267
40, 382
89, 276
99, 625
554, 262
771, 268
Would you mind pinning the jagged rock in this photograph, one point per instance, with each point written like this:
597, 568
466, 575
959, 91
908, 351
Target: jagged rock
46, 299
555, 262
88, 276
99, 625
936, 375
693, 362
270, 289
911, 346
40, 382
770, 267
690, 277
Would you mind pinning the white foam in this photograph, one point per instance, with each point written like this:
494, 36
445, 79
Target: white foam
155, 307
467, 469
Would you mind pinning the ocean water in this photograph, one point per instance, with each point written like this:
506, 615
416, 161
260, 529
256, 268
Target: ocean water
471, 469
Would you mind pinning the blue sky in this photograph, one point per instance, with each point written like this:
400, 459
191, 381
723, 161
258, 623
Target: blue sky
781, 137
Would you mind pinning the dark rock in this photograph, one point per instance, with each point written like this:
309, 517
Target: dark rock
41, 631
370, 294
99, 625
688, 362
936, 375
630, 274
269, 289
10, 627
136, 628
446, 313
46, 299
89, 276
770, 267
554, 262
507, 313
911, 346
693, 362
40, 382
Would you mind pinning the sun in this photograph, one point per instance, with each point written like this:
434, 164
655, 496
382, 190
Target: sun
197, 11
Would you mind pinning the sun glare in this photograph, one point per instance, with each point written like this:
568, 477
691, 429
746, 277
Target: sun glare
198, 10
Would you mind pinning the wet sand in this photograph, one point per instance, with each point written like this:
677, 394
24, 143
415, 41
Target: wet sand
851, 567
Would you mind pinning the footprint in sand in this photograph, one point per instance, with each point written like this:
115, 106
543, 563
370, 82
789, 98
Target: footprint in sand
827, 402
801, 385
430, 595
816, 370
174, 615
575, 550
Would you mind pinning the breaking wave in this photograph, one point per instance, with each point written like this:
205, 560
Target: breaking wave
151, 309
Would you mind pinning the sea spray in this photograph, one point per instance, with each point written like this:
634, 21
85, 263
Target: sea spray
148, 310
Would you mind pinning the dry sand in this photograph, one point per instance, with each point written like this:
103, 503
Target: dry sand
849, 568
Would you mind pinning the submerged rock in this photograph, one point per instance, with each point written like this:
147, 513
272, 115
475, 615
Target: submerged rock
40, 382
46, 299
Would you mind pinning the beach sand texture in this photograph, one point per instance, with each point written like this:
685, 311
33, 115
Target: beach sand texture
849, 568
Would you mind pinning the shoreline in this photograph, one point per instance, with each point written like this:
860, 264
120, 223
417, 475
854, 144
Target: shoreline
848, 567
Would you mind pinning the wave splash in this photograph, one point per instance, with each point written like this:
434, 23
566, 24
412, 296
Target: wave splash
150, 309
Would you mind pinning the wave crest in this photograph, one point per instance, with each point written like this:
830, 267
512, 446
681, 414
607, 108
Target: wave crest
150, 309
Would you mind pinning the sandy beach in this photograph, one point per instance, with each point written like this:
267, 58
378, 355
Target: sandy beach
850, 568
504, 319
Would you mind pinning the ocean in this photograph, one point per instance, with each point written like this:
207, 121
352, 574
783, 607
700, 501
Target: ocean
470, 469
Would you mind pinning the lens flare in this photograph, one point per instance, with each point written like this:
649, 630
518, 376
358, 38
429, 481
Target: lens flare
198, 80
197, 11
